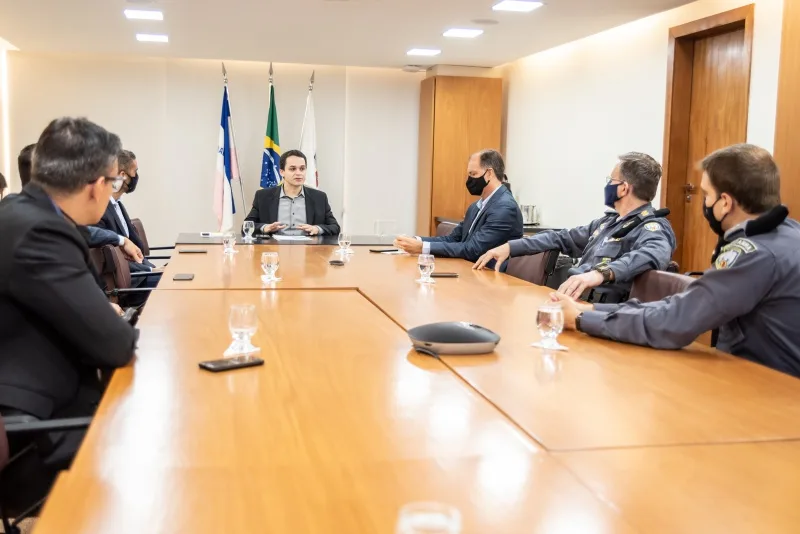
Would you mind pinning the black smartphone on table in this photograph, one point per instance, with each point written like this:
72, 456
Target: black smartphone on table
444, 275
383, 250
193, 251
338, 263
229, 364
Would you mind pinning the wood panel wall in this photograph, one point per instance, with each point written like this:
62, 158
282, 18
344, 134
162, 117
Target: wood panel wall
467, 117
787, 125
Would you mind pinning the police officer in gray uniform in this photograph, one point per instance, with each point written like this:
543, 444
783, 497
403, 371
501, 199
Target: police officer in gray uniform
752, 290
615, 248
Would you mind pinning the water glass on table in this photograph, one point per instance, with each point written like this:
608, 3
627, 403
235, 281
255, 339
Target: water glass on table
249, 229
270, 262
344, 243
428, 518
229, 243
243, 324
550, 322
425, 263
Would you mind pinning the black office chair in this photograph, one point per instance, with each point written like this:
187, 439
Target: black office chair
21, 427
536, 268
137, 224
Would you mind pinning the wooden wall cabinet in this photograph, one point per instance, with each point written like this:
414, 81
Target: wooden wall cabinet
458, 117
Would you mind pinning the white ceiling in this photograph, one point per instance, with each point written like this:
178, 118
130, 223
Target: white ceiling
335, 32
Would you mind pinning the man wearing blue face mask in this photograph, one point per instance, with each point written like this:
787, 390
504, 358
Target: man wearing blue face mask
628, 240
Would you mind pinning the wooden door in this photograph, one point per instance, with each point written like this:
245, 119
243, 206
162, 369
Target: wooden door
718, 118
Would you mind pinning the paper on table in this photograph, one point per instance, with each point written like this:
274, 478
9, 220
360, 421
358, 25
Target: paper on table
212, 234
291, 238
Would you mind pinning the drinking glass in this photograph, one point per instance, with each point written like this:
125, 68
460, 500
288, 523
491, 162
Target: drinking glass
428, 518
344, 243
243, 323
425, 262
249, 229
270, 262
229, 243
550, 322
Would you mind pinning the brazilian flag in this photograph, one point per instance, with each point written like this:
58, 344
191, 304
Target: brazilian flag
270, 176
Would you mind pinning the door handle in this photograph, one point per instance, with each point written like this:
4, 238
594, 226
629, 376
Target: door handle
689, 189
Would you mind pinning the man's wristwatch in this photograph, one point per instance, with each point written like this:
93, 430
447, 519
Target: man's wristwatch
606, 271
578, 322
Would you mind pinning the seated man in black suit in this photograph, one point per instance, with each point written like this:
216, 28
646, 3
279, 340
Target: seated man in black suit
290, 208
491, 221
57, 328
117, 220
95, 237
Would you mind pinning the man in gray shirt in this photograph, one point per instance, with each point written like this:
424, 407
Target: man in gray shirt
752, 290
627, 241
292, 208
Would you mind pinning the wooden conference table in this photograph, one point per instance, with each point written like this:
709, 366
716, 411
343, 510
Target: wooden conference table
344, 423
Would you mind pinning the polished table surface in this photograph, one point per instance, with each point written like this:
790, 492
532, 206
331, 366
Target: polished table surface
344, 424
357, 240
622, 395
333, 434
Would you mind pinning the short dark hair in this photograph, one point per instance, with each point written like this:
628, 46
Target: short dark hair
642, 172
73, 152
124, 159
288, 154
492, 159
748, 174
24, 164
3, 183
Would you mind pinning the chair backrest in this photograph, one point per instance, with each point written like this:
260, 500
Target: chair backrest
535, 268
445, 229
652, 286
4, 450
137, 224
112, 267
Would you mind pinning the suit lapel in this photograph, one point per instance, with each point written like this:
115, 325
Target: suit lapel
482, 214
309, 207
273, 201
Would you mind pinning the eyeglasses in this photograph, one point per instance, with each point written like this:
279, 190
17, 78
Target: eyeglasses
610, 179
116, 182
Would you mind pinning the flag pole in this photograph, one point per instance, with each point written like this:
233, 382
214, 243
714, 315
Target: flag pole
233, 131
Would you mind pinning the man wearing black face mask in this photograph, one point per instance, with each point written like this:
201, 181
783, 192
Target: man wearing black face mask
629, 240
117, 220
489, 222
752, 290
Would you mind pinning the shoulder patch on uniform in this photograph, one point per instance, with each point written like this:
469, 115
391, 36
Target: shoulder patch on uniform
652, 227
742, 245
727, 258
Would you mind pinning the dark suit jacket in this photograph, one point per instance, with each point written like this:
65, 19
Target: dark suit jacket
499, 222
318, 211
57, 326
110, 221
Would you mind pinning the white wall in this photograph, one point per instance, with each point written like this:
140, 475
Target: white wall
381, 129
5, 149
167, 111
571, 110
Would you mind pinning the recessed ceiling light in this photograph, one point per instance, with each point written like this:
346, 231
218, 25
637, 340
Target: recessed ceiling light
464, 33
521, 6
142, 14
152, 38
424, 52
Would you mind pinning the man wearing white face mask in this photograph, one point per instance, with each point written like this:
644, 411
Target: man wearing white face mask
631, 238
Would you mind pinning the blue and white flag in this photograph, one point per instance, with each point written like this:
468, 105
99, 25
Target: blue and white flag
227, 169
